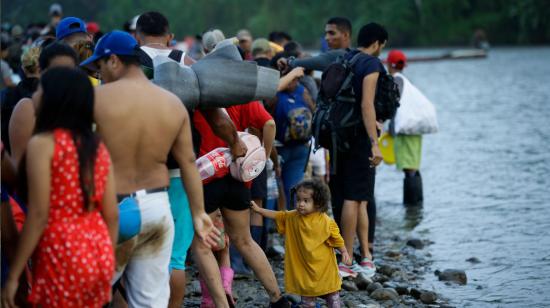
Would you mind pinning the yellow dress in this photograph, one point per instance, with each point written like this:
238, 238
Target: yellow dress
310, 262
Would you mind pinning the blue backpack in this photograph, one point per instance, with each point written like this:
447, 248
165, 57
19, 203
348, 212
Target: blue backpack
293, 116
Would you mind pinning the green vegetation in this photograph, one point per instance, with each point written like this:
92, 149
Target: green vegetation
409, 22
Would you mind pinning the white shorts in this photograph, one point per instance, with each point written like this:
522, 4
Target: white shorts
143, 261
318, 162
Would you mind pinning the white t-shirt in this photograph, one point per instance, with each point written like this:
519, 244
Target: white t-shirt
153, 52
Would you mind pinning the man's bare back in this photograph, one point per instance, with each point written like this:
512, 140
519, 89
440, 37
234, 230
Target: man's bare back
139, 122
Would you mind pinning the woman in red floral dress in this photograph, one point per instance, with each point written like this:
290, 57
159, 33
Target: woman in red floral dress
72, 219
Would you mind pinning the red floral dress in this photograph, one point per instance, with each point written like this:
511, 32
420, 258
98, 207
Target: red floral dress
73, 263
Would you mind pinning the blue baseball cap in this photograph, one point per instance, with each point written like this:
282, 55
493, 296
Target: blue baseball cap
113, 43
68, 26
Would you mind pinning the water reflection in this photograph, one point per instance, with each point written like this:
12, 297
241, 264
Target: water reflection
413, 216
486, 183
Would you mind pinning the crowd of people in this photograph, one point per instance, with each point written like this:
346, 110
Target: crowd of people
89, 143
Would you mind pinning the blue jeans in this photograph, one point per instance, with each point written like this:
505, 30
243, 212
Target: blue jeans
294, 162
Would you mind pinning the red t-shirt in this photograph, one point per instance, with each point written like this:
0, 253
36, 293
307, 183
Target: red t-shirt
243, 116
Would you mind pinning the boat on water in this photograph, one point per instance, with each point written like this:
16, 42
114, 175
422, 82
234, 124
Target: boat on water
458, 54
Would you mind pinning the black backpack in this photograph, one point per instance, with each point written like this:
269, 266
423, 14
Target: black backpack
147, 63
337, 113
387, 97
337, 118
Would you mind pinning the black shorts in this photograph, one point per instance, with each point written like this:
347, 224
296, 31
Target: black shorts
259, 186
354, 178
227, 193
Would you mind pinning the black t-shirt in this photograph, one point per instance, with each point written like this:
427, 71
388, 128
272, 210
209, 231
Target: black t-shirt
364, 66
265, 62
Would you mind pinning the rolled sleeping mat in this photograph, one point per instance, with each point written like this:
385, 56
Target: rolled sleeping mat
226, 49
180, 80
224, 83
225, 80
221, 78
268, 82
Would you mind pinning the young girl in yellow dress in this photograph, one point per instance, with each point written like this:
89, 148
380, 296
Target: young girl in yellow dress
311, 269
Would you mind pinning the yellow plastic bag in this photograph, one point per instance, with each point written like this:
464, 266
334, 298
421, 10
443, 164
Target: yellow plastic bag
386, 147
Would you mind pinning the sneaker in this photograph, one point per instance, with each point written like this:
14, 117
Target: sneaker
368, 267
346, 271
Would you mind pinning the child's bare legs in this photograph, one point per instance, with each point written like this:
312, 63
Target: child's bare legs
308, 302
332, 300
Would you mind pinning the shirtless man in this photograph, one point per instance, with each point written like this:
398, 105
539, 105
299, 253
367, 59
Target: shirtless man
141, 124
154, 37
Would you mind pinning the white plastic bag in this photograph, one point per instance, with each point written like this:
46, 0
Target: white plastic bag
416, 114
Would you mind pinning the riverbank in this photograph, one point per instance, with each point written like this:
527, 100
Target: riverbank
402, 263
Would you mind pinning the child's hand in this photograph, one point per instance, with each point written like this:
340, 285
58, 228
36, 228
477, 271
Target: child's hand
346, 259
254, 207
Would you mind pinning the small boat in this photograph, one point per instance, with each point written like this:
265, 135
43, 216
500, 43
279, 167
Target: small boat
459, 54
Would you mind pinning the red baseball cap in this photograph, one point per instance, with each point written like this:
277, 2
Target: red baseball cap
92, 27
395, 56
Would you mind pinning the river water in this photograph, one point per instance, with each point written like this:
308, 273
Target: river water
486, 177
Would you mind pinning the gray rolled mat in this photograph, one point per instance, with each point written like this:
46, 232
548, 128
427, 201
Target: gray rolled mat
226, 82
221, 78
182, 81
268, 81
225, 49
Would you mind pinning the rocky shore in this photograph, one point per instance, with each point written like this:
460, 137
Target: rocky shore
401, 262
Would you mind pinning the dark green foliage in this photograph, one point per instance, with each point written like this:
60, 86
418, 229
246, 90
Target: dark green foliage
409, 22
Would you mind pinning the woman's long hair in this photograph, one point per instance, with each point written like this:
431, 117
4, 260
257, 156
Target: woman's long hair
68, 103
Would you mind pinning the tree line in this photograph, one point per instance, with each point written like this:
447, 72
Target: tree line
409, 22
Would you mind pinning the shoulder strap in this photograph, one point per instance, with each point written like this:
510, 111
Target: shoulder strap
144, 58
347, 82
354, 58
176, 55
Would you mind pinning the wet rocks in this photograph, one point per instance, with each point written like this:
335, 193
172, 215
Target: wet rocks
349, 285
384, 294
380, 278
428, 297
473, 260
352, 304
362, 282
400, 270
194, 288
400, 275
393, 254
385, 269
374, 286
402, 289
415, 293
453, 275
415, 243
